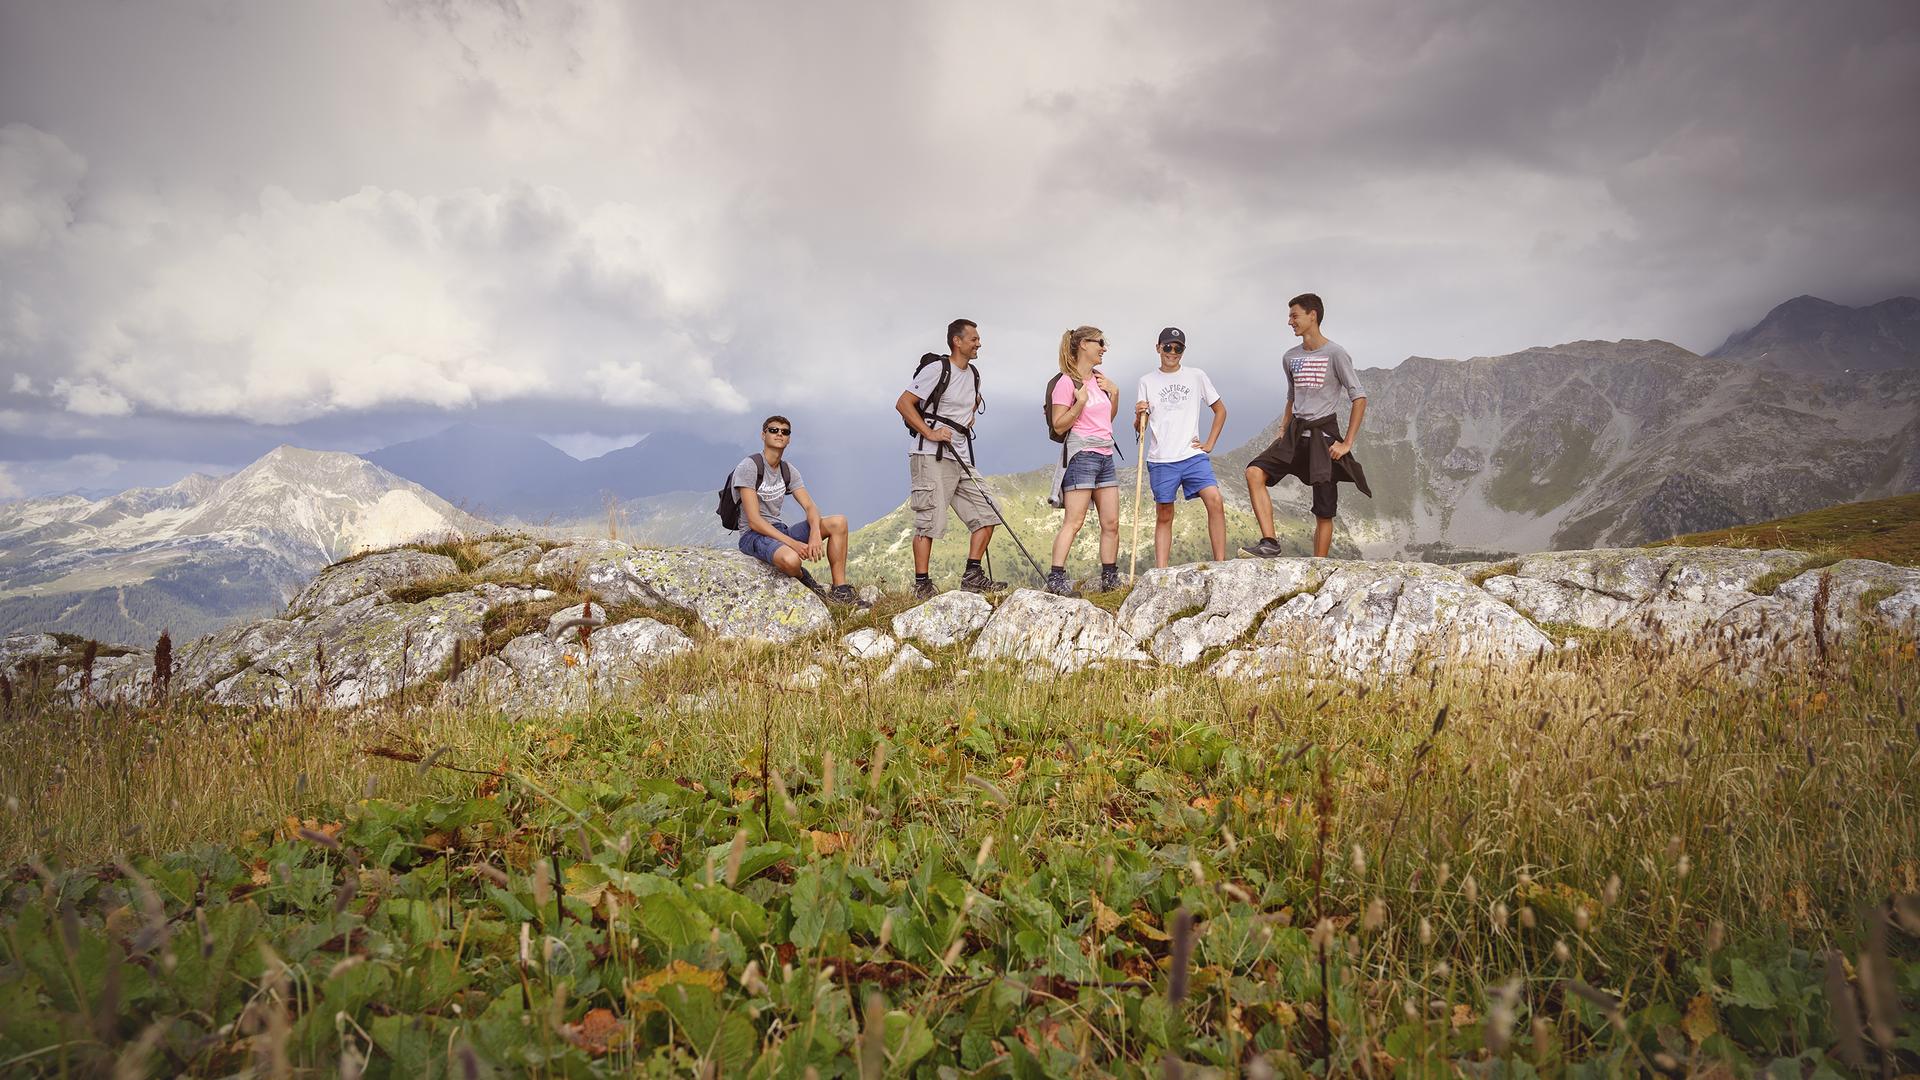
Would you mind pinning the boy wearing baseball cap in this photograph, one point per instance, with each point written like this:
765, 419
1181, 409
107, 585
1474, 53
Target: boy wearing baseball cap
1168, 404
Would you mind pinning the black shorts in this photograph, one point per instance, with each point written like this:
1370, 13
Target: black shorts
1326, 497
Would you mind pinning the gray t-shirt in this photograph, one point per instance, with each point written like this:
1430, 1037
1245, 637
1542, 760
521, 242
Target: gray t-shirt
1320, 380
956, 406
772, 490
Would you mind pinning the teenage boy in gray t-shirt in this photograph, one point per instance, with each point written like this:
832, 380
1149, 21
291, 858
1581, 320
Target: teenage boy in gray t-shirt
1320, 377
762, 494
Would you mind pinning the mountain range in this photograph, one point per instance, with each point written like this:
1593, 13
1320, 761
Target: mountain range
1577, 445
206, 551
501, 473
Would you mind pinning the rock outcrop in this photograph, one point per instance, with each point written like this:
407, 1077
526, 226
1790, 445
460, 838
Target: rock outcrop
363, 631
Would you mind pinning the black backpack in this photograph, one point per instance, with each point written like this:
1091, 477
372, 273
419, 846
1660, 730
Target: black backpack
931, 403
729, 510
1046, 412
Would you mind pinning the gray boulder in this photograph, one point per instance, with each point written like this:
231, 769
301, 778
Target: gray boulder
869, 644
1064, 632
1374, 619
536, 674
1229, 595
733, 595
18, 649
354, 654
388, 570
947, 619
511, 561
905, 660
1668, 592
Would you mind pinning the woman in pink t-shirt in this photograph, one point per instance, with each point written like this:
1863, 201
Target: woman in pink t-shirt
1083, 406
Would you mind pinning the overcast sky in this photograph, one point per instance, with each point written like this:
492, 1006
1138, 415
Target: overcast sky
228, 225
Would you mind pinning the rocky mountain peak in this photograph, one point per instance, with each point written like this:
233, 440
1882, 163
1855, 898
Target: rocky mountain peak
1817, 337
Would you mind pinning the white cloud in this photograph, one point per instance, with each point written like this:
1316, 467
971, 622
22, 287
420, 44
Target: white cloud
687, 208
9, 487
39, 183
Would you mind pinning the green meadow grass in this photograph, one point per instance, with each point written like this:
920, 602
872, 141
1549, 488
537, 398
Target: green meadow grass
1613, 862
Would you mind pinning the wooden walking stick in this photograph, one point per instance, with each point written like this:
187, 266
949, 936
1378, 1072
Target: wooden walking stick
1139, 474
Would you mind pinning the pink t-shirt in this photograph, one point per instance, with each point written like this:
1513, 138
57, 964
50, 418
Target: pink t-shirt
1096, 419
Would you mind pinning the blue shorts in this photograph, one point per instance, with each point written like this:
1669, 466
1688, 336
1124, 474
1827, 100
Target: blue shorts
1089, 469
1194, 473
762, 547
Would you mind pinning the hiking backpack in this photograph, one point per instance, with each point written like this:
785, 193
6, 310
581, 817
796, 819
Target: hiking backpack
729, 509
930, 405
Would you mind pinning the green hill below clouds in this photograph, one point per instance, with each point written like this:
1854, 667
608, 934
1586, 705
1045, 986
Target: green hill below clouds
882, 552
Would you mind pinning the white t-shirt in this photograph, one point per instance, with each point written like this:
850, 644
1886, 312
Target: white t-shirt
1177, 400
956, 406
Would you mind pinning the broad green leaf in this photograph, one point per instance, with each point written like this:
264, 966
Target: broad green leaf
1750, 987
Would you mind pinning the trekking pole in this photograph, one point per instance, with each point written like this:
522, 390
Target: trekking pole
1139, 474
987, 492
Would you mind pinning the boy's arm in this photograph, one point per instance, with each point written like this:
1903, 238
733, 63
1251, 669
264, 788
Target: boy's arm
1343, 370
1219, 424
750, 513
815, 546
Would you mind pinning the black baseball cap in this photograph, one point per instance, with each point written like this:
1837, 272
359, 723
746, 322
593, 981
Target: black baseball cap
1171, 334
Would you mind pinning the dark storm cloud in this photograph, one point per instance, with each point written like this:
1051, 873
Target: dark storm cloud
224, 227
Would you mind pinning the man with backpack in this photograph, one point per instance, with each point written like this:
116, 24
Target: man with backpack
939, 407
752, 501
1167, 405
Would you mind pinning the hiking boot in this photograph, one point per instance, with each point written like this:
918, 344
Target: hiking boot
1059, 584
844, 596
978, 581
1109, 579
925, 590
1267, 548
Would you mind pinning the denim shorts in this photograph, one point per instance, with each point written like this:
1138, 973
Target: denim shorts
762, 547
1195, 474
1090, 469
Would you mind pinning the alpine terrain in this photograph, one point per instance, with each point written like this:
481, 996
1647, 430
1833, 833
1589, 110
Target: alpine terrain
206, 551
1580, 445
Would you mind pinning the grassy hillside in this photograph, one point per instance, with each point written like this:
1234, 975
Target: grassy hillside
1883, 529
882, 551
975, 872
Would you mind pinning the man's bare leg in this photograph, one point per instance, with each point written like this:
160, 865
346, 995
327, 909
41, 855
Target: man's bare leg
922, 554
1217, 520
976, 543
1261, 500
835, 527
1162, 534
1322, 537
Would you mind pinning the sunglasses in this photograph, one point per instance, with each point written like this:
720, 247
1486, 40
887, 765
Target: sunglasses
1173, 348
1100, 341
778, 430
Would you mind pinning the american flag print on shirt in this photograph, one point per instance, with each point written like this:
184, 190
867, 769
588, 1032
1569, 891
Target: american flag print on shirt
1310, 371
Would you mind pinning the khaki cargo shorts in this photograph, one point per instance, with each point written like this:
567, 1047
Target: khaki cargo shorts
937, 484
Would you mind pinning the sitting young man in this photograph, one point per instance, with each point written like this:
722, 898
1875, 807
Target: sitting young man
763, 494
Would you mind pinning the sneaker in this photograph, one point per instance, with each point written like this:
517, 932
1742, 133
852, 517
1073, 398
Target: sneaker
1059, 584
1109, 579
1267, 548
978, 581
844, 596
925, 590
